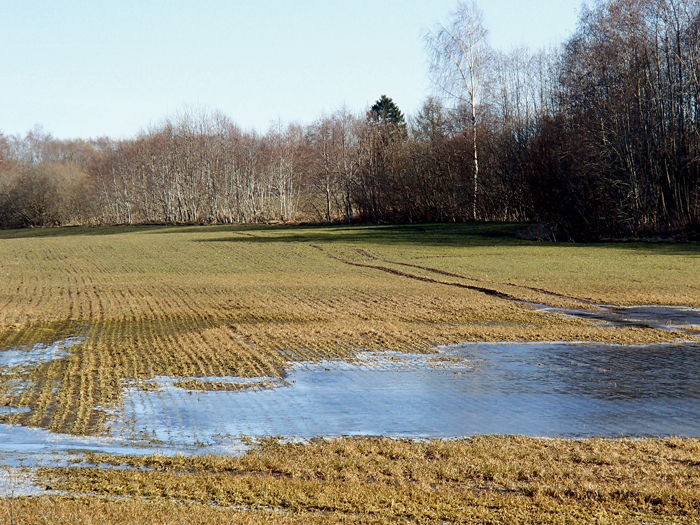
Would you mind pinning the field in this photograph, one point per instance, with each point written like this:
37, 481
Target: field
379, 480
199, 302
213, 301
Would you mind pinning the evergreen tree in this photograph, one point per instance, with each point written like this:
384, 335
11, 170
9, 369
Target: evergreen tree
386, 111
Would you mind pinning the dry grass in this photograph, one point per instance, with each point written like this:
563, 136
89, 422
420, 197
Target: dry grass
234, 301
380, 480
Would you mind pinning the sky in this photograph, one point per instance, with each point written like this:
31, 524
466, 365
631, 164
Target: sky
82, 69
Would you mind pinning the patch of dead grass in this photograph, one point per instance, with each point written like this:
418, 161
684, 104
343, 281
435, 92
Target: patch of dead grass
370, 480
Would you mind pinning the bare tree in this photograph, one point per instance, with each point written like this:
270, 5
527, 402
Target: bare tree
459, 57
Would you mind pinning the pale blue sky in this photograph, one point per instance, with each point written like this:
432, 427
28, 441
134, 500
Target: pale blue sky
85, 68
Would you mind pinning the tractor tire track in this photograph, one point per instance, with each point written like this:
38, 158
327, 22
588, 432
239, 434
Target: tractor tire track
458, 276
488, 291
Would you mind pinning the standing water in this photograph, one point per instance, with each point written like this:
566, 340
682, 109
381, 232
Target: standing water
535, 389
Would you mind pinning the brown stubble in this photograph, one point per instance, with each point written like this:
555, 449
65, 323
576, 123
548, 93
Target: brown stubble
482, 479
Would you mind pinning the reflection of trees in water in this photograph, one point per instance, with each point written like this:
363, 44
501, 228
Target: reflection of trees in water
665, 317
598, 371
624, 372
541, 389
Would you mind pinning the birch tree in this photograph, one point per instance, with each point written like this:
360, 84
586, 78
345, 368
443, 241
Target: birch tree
459, 57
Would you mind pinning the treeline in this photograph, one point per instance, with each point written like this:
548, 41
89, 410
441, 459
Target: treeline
620, 155
597, 138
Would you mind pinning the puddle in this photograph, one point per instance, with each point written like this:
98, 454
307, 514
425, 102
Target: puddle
37, 354
552, 389
6, 410
15, 482
35, 447
676, 318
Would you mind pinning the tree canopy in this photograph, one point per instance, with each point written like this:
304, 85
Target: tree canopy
598, 138
386, 110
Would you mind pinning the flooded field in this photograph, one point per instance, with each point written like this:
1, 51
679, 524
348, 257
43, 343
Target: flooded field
190, 339
140, 344
534, 389
87, 315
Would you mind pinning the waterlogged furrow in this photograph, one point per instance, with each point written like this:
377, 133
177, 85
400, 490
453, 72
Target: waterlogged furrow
65, 396
108, 392
215, 366
251, 363
200, 357
246, 355
180, 357
239, 358
96, 305
83, 399
144, 339
47, 385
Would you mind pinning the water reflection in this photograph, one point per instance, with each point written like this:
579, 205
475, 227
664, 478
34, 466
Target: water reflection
550, 389
593, 370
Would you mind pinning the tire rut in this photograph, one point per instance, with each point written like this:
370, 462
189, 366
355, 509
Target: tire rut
481, 289
458, 276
